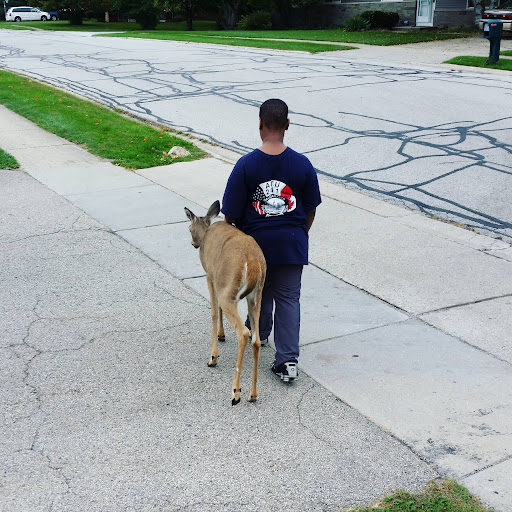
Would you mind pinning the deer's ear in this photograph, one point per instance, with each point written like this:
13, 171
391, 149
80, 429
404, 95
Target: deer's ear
214, 210
190, 215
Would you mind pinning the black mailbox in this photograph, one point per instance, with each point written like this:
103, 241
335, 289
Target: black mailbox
493, 30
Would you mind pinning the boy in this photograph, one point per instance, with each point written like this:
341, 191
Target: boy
272, 195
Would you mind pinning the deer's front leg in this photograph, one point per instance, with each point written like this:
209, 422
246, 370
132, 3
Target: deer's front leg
214, 309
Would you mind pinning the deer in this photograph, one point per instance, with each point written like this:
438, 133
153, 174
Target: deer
235, 269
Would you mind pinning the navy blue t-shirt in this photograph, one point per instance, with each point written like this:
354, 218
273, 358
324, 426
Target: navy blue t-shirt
268, 196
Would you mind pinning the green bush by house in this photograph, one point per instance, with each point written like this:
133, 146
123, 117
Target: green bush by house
257, 20
381, 19
356, 24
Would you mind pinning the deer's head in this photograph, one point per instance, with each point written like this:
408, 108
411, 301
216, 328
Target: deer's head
199, 225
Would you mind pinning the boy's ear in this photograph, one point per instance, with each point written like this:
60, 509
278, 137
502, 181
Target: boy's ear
287, 125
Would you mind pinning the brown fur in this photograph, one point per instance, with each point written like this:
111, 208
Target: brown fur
235, 269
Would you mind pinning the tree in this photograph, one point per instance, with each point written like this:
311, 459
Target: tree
145, 12
305, 4
229, 13
167, 5
189, 9
75, 9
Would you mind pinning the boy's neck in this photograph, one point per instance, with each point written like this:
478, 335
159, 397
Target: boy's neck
272, 148
272, 141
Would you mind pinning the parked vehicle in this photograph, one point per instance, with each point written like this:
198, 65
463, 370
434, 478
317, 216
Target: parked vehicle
24, 13
502, 13
54, 15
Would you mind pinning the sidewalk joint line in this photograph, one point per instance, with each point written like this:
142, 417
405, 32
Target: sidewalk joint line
384, 301
382, 428
479, 301
497, 463
151, 226
355, 332
465, 342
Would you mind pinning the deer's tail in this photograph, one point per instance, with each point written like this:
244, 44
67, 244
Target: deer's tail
252, 278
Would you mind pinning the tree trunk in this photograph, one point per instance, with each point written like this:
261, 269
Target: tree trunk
479, 9
284, 8
229, 14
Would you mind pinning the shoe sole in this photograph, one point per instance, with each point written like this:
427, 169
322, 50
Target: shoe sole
286, 378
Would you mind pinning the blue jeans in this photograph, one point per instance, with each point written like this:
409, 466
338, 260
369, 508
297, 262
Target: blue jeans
282, 290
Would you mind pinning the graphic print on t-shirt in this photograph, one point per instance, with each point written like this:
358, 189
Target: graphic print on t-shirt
273, 198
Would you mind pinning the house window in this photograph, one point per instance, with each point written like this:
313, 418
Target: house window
470, 4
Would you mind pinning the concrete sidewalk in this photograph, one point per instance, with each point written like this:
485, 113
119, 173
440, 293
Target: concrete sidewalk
433, 53
406, 321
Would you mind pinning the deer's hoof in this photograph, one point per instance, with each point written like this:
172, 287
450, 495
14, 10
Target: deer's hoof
221, 337
212, 362
252, 398
235, 396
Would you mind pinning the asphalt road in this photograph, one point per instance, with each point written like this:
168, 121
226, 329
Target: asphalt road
432, 139
108, 404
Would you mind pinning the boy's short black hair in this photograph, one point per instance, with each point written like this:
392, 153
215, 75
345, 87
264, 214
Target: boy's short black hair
274, 114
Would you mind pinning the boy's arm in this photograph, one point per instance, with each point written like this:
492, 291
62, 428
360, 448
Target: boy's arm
233, 202
310, 217
311, 198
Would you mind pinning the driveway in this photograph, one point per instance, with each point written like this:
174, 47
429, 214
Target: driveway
434, 139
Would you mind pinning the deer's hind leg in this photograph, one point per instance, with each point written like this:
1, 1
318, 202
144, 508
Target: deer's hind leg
215, 312
230, 310
221, 336
254, 307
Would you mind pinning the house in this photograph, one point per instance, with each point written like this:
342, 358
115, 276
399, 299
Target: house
420, 13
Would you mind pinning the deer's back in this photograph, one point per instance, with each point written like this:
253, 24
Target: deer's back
226, 249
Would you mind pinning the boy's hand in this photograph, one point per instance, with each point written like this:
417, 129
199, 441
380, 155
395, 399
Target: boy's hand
310, 217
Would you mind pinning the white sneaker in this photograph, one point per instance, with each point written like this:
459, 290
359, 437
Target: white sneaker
287, 371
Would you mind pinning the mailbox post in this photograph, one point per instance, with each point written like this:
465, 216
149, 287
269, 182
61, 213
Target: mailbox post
493, 30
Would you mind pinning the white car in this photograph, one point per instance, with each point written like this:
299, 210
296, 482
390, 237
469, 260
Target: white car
23, 13
501, 13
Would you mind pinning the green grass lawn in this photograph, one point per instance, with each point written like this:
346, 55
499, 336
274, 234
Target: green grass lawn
507, 53
14, 26
99, 130
480, 62
232, 41
7, 161
447, 496
374, 37
207, 28
95, 26
338, 35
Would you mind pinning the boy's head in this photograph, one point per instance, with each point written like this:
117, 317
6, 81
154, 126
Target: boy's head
274, 115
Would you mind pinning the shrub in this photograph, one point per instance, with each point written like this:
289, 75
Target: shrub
147, 18
76, 17
355, 24
381, 19
257, 20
